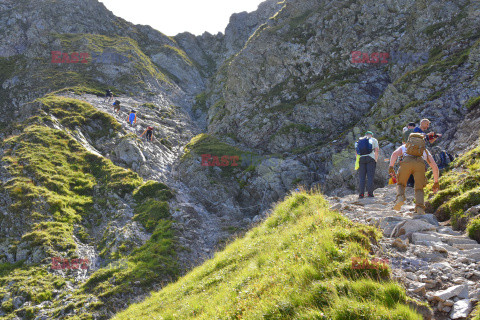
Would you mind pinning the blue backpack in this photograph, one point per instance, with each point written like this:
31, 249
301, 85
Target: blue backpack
443, 159
364, 146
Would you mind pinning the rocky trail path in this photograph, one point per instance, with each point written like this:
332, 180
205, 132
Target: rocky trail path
200, 232
435, 263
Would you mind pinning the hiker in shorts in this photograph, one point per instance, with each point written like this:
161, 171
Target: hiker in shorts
108, 95
413, 154
367, 148
406, 133
116, 106
132, 117
149, 133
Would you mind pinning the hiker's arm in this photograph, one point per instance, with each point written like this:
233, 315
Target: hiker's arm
434, 167
431, 137
143, 133
394, 156
376, 154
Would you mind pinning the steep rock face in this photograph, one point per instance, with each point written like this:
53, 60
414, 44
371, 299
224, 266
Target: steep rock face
207, 50
210, 51
242, 25
243, 190
293, 88
113, 53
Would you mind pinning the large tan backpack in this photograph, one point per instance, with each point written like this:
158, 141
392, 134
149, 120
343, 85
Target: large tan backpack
415, 144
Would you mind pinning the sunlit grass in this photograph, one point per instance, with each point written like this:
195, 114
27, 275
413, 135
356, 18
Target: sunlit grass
295, 265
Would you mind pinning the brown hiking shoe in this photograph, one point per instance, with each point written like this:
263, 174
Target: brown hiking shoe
399, 203
419, 211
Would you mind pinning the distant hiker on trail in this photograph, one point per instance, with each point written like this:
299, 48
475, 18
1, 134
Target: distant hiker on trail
132, 118
430, 137
149, 133
108, 95
413, 154
367, 148
406, 133
116, 106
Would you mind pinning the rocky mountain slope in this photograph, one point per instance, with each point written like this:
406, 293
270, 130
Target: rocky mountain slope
293, 88
278, 92
294, 99
435, 263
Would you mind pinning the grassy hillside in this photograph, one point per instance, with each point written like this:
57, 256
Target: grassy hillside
459, 191
295, 265
61, 197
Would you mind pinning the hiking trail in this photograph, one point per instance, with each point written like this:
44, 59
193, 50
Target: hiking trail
199, 231
435, 263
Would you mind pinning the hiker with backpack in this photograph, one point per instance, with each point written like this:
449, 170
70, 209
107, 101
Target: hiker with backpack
132, 117
149, 133
442, 157
108, 95
413, 154
406, 133
367, 148
116, 106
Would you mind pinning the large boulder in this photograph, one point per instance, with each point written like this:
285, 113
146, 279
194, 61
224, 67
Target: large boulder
129, 152
408, 227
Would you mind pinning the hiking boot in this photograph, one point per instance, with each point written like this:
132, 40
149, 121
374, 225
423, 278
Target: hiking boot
399, 203
370, 195
360, 196
419, 211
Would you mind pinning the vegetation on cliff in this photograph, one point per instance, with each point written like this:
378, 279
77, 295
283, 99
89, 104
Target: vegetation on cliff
59, 195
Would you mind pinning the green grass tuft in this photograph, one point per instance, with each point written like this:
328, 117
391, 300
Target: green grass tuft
152, 189
473, 103
459, 187
73, 113
473, 229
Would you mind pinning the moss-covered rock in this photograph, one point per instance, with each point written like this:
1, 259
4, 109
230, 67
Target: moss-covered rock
459, 189
473, 229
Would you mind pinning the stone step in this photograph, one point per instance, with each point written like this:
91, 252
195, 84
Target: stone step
449, 231
424, 238
473, 254
460, 291
466, 246
460, 240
